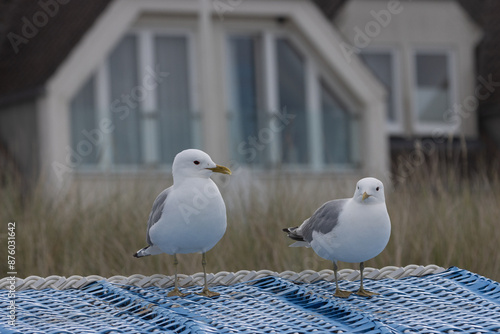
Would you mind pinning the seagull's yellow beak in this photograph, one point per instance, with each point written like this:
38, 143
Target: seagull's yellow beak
220, 169
365, 196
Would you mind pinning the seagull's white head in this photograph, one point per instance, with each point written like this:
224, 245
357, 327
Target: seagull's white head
369, 191
195, 163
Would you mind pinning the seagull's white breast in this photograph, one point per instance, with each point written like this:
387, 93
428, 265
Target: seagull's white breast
193, 218
362, 233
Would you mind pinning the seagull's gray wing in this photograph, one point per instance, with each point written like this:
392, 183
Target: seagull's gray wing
156, 211
324, 219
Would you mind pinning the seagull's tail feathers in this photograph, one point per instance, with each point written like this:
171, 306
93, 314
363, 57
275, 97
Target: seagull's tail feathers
148, 250
294, 233
300, 244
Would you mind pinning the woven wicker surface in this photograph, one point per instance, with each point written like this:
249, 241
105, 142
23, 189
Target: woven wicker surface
453, 301
220, 278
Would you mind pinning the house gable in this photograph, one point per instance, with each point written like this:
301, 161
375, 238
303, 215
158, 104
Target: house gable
121, 16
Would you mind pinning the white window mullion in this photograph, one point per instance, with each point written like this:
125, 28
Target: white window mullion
103, 104
149, 106
313, 106
271, 91
195, 110
355, 129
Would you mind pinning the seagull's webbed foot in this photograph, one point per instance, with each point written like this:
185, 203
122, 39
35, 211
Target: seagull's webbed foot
362, 292
207, 293
339, 293
342, 293
176, 293
365, 293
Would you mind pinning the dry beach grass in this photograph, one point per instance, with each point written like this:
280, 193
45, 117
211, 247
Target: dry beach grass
437, 217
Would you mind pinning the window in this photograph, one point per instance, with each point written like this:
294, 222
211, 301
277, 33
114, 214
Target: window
246, 110
433, 89
83, 120
382, 64
432, 92
143, 89
338, 125
270, 74
173, 97
123, 77
291, 91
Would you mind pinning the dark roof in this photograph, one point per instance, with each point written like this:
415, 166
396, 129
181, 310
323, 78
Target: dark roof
35, 40
329, 7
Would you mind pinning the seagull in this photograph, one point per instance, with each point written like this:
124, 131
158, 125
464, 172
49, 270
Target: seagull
351, 230
189, 216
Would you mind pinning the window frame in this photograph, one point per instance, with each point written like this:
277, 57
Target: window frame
354, 128
422, 127
150, 157
395, 127
316, 72
262, 110
191, 50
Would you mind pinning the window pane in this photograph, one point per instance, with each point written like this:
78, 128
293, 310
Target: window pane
173, 96
432, 86
124, 88
381, 65
291, 89
336, 129
83, 121
244, 104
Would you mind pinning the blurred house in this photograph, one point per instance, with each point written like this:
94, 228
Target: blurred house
119, 87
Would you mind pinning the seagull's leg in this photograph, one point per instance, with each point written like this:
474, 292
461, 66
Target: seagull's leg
176, 292
362, 292
205, 292
338, 292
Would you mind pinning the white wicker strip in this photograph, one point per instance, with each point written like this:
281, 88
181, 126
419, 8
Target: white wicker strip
220, 278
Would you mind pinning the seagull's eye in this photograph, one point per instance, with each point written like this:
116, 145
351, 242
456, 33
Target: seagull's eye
377, 189
196, 162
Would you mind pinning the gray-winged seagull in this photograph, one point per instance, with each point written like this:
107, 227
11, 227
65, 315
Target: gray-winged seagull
350, 230
189, 216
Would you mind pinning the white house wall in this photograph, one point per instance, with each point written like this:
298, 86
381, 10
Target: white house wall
423, 24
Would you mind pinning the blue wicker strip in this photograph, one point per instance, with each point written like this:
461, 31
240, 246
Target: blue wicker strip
455, 301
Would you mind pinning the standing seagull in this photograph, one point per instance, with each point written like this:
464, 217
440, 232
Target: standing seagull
350, 230
189, 216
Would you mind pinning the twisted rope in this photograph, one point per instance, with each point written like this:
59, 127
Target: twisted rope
220, 278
